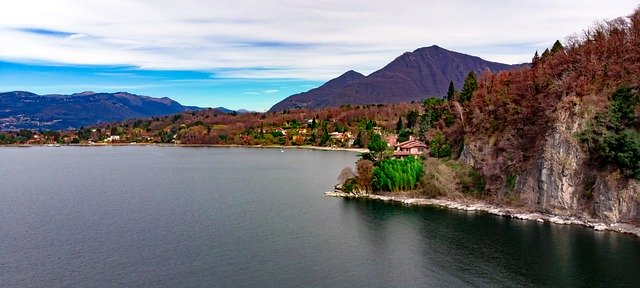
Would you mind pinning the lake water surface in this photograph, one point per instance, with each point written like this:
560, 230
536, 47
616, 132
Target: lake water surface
233, 217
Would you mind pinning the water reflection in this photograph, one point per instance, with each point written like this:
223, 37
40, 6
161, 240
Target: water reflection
479, 249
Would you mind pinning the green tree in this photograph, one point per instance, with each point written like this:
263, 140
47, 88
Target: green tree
404, 135
623, 110
313, 124
399, 125
412, 119
438, 147
545, 53
84, 133
451, 92
376, 144
535, 59
325, 138
613, 137
470, 86
557, 47
25, 134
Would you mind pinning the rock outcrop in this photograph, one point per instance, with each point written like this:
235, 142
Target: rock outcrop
561, 180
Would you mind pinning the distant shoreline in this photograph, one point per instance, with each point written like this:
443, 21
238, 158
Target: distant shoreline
306, 147
511, 212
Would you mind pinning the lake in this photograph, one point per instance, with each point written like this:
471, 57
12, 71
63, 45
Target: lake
238, 217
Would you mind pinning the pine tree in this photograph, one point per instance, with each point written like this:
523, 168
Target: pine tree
451, 92
536, 59
545, 53
470, 86
557, 47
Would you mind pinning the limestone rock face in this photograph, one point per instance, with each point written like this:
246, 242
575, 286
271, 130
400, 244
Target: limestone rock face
561, 180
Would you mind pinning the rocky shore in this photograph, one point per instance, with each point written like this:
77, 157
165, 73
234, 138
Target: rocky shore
501, 211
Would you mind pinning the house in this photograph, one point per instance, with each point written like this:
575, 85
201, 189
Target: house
411, 147
346, 136
112, 138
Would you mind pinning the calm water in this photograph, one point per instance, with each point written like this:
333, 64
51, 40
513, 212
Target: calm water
218, 217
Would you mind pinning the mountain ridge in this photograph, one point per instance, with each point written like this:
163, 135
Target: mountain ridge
23, 109
412, 76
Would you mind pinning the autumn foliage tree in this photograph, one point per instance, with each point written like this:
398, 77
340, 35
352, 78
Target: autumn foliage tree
512, 112
365, 174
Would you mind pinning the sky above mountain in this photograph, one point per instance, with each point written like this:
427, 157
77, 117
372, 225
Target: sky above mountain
251, 54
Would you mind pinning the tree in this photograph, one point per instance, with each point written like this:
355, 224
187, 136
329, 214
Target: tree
470, 86
365, 174
535, 59
376, 144
313, 124
377, 147
412, 119
404, 135
557, 47
545, 54
346, 174
84, 133
399, 125
452, 91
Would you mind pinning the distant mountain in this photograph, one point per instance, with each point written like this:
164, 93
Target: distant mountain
228, 111
318, 97
413, 76
21, 109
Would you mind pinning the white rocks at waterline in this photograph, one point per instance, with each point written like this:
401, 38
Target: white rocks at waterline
500, 211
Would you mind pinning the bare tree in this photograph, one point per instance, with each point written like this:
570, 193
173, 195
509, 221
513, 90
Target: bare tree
346, 174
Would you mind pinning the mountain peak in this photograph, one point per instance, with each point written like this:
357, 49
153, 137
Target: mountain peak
317, 96
412, 76
351, 73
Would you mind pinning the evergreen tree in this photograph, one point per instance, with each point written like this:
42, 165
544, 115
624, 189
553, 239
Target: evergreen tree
557, 47
412, 119
536, 59
545, 53
313, 124
470, 86
399, 125
451, 92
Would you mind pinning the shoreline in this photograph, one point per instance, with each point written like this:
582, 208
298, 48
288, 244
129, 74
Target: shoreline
307, 147
521, 214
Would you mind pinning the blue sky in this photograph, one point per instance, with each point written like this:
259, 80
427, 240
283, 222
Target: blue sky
252, 53
194, 88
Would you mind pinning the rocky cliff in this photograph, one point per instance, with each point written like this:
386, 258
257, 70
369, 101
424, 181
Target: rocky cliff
560, 180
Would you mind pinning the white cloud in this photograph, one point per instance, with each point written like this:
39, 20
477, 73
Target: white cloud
299, 39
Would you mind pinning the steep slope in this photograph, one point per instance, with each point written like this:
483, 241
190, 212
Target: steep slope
413, 76
318, 97
564, 136
20, 109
